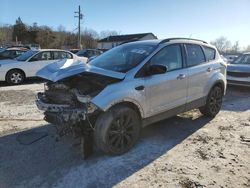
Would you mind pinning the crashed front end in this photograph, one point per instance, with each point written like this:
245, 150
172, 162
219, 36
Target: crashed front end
64, 106
68, 93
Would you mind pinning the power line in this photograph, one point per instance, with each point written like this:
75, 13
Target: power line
79, 16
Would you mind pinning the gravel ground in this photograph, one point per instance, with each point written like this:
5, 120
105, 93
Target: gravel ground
186, 151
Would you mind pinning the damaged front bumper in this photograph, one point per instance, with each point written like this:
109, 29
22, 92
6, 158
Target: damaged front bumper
69, 119
59, 114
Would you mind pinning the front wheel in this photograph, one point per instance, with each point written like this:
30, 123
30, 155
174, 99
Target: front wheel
117, 130
15, 77
213, 103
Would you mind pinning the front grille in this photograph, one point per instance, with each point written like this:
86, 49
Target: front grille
238, 74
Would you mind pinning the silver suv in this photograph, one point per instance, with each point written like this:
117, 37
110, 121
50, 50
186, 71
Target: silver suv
109, 100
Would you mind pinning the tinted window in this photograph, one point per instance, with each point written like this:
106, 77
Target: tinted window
209, 53
195, 55
169, 56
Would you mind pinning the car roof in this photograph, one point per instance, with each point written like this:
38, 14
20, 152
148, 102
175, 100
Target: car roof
246, 53
173, 40
18, 48
42, 50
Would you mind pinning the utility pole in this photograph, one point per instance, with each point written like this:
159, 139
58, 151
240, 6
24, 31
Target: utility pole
79, 16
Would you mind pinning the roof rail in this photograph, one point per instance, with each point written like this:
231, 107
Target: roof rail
169, 39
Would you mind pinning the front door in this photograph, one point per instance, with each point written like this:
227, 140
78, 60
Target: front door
39, 61
169, 90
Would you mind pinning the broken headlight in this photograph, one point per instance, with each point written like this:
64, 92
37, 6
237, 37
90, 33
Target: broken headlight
91, 107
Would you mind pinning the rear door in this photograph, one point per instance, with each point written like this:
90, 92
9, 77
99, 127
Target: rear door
200, 70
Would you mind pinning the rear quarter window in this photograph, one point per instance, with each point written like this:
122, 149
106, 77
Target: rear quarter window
209, 53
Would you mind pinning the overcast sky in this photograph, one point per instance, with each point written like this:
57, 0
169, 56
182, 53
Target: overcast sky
201, 19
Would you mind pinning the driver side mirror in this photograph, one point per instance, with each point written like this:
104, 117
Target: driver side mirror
157, 69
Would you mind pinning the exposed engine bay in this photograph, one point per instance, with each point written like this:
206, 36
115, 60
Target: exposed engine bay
71, 97
67, 103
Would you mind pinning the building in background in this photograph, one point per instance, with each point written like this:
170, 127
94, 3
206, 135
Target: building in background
115, 40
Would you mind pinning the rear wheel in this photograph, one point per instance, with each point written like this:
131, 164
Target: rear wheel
117, 130
15, 77
213, 103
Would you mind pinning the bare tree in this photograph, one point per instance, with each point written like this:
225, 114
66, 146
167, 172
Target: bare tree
235, 47
247, 48
6, 34
222, 44
107, 33
89, 38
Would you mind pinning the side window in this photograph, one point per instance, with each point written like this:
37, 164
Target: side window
19, 52
6, 53
195, 55
169, 56
68, 55
42, 56
57, 55
90, 53
209, 53
62, 55
246, 59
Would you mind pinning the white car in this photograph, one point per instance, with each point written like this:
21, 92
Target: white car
15, 71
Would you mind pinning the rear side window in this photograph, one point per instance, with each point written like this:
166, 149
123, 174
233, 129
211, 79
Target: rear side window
195, 55
209, 53
62, 55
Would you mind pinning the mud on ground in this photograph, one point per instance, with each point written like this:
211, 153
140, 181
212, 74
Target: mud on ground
186, 151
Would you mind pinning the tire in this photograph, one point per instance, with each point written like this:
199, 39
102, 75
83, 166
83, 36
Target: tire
117, 130
15, 77
213, 103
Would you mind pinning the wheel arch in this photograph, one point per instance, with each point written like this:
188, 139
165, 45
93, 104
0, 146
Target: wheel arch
130, 103
219, 83
14, 69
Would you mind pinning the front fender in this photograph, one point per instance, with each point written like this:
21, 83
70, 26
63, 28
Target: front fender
120, 92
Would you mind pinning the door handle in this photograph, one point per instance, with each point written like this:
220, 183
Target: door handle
139, 88
209, 69
181, 76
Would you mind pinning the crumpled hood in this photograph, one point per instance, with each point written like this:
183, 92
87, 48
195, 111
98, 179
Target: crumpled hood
8, 61
66, 68
238, 68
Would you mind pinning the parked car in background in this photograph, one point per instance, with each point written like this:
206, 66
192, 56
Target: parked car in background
224, 59
89, 53
26, 65
131, 86
11, 53
238, 72
230, 58
74, 51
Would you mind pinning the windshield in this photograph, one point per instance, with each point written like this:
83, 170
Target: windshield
243, 59
26, 55
124, 57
